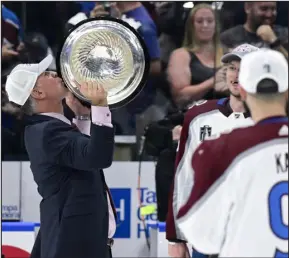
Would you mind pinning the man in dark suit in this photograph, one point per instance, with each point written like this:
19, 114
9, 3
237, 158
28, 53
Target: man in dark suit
76, 212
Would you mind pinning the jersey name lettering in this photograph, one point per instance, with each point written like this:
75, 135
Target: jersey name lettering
281, 162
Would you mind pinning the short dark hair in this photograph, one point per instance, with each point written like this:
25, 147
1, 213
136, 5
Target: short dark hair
27, 108
267, 86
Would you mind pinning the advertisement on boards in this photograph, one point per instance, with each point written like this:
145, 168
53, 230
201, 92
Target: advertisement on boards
17, 239
121, 177
11, 188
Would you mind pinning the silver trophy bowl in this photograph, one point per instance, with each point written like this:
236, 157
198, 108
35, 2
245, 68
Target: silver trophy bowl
109, 52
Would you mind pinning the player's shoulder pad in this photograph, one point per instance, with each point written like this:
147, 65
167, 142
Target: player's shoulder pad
212, 148
218, 135
222, 149
200, 107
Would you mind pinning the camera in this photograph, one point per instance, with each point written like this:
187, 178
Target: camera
107, 7
158, 135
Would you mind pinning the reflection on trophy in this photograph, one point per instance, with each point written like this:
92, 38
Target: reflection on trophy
109, 52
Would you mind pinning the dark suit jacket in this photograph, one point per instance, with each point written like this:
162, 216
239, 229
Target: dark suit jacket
67, 168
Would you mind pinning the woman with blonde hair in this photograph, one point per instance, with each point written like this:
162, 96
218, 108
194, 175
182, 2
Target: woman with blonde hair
194, 70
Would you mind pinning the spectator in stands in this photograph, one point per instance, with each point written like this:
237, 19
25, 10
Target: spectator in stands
142, 109
11, 38
171, 17
135, 14
12, 32
17, 47
84, 13
259, 29
12, 42
35, 49
170, 21
195, 71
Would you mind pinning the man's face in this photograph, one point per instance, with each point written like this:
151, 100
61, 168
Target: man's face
52, 86
232, 78
263, 13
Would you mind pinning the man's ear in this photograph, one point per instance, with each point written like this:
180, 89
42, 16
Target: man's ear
243, 93
247, 7
37, 93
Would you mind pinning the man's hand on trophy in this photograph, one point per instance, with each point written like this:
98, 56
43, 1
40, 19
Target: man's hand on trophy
95, 93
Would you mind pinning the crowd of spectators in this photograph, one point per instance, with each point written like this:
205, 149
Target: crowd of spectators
184, 44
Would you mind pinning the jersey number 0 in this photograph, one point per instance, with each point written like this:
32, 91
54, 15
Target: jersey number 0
278, 227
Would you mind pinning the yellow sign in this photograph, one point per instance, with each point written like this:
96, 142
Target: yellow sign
147, 210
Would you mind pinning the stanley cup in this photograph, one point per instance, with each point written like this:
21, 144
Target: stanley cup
108, 52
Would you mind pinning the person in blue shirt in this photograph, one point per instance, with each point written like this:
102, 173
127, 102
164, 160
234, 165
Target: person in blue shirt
12, 35
135, 14
10, 17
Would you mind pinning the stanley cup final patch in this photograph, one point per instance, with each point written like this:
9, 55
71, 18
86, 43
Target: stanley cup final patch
205, 131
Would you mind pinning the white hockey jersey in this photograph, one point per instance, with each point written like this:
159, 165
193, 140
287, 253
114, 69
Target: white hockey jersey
239, 203
203, 120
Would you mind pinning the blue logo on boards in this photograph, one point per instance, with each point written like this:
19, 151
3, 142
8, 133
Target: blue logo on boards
122, 200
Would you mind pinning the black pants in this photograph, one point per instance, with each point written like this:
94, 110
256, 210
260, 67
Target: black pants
164, 177
109, 254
